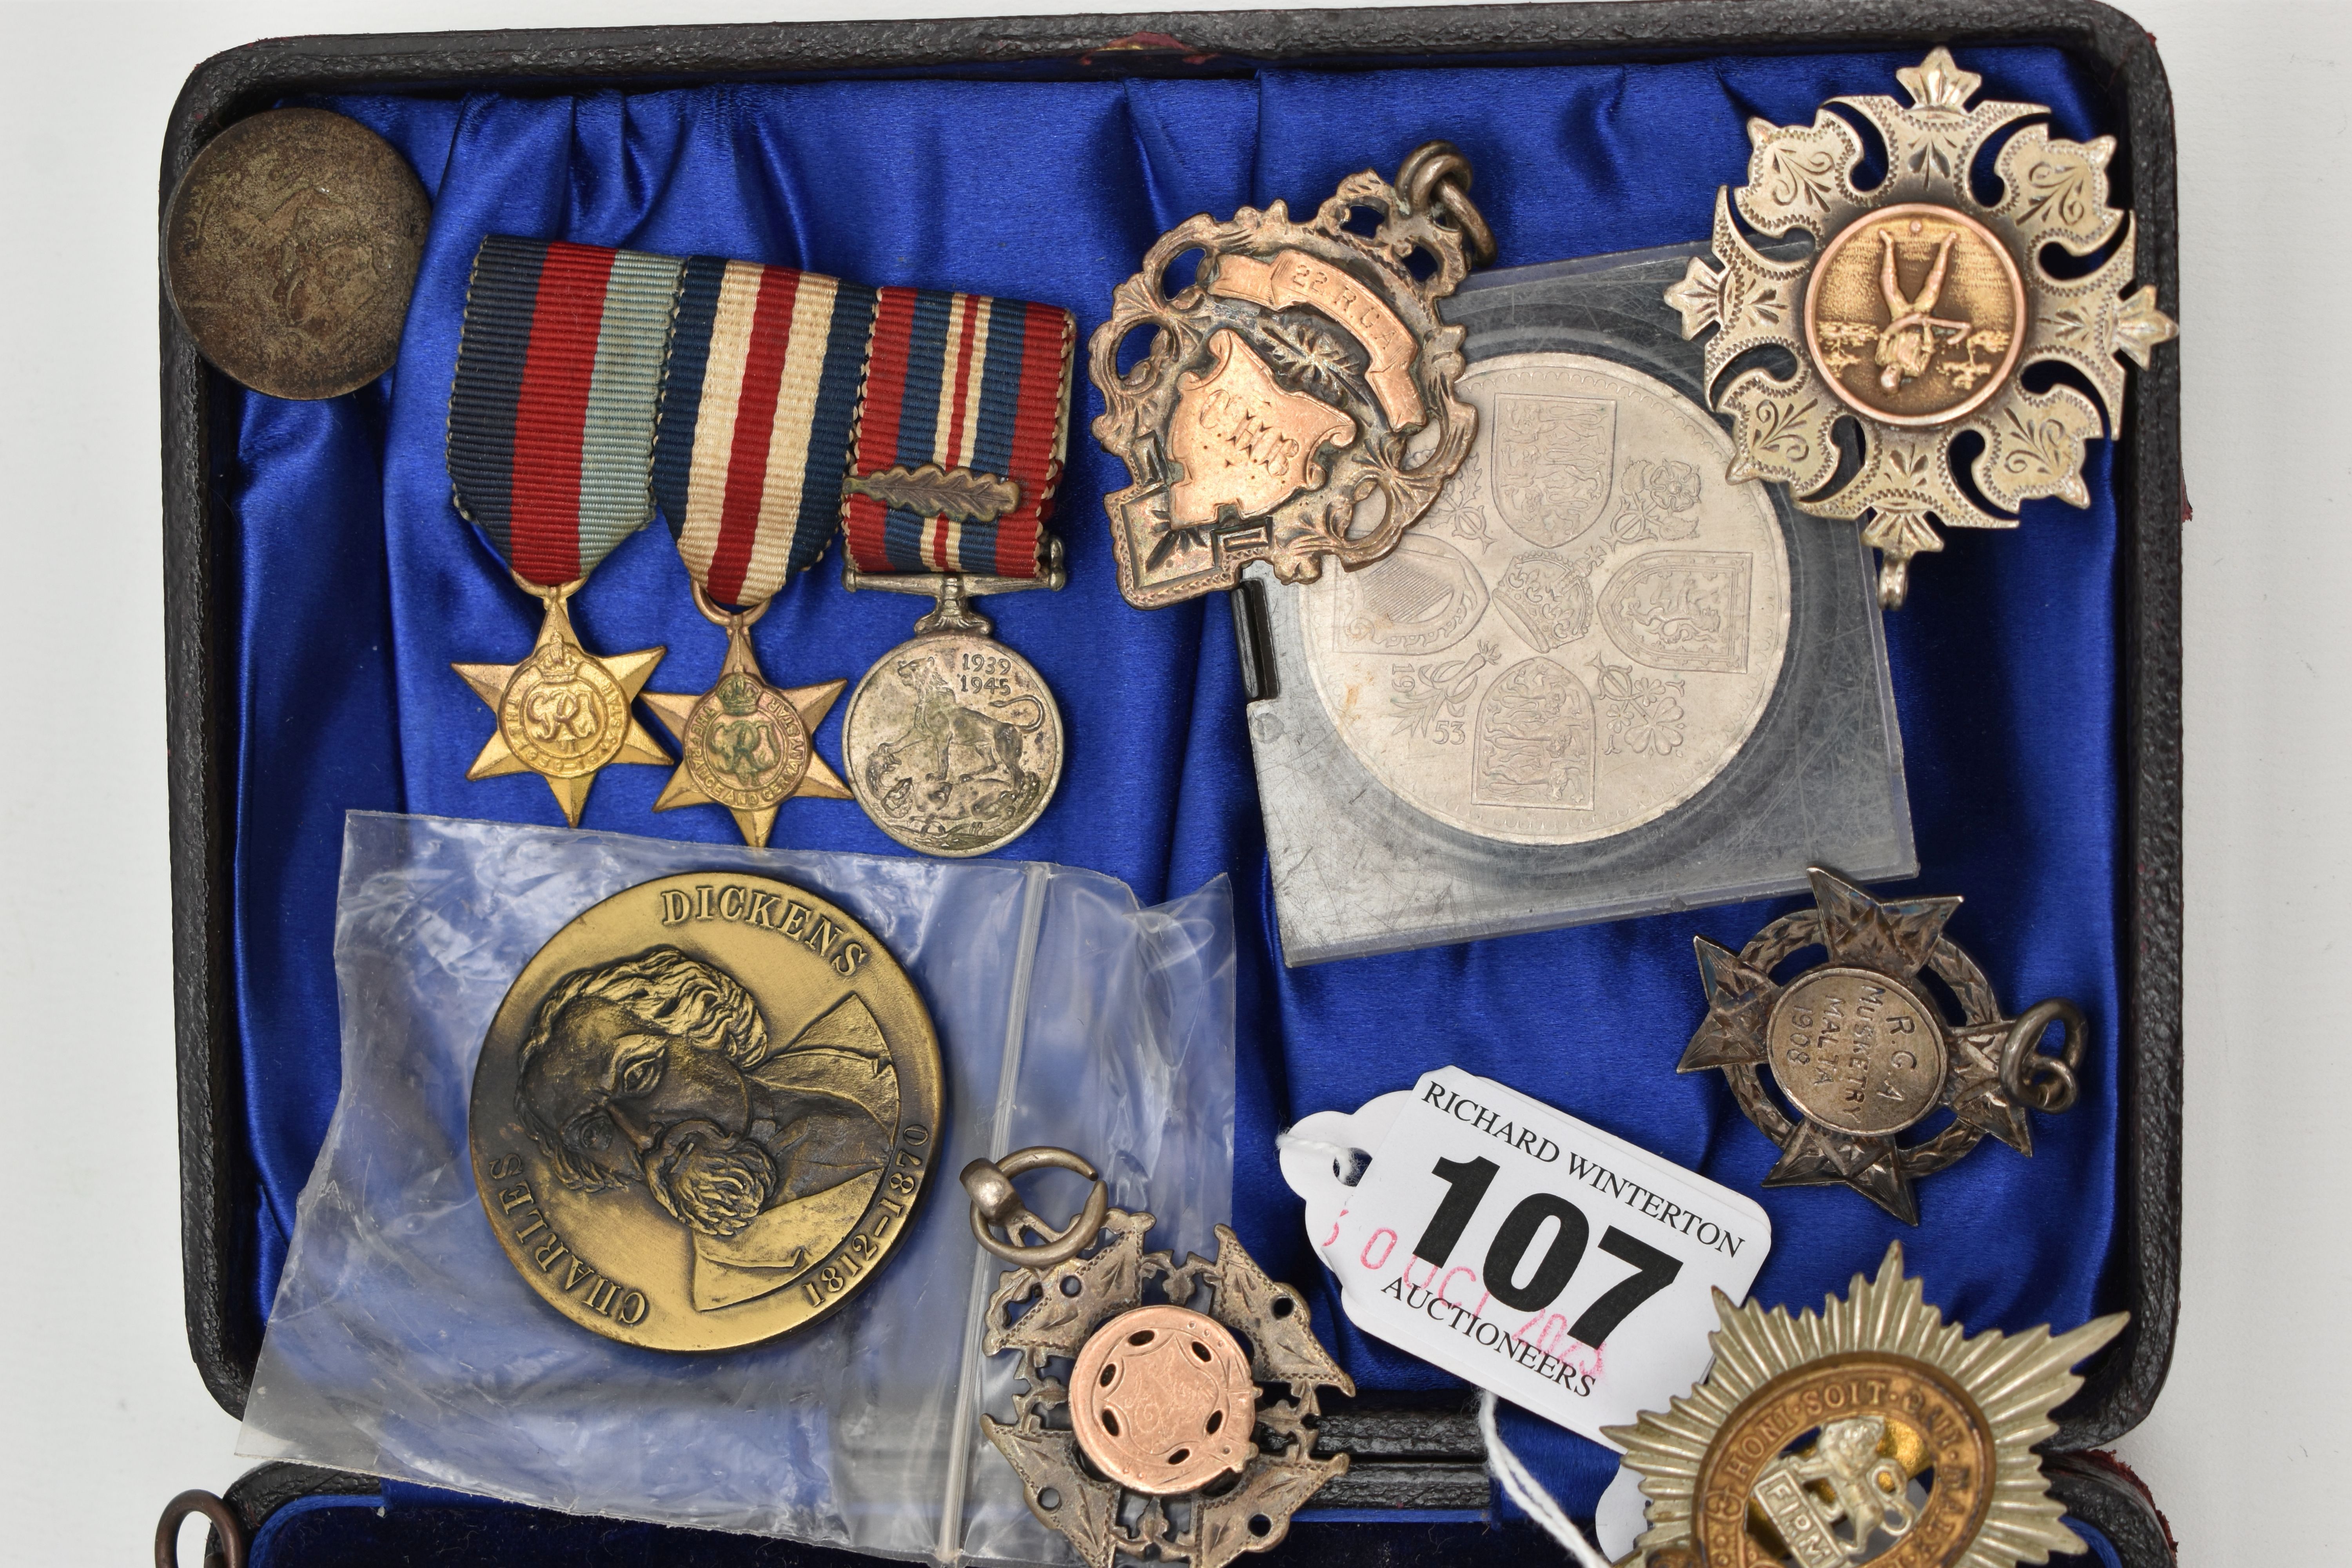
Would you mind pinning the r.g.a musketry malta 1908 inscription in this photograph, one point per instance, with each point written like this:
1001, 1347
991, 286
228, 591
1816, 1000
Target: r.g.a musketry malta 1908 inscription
704, 1113
1860, 1049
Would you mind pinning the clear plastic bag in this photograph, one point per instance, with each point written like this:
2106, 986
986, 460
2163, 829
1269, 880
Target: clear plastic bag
403, 1345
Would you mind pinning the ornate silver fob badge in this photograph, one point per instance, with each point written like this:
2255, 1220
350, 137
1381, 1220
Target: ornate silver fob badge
1872, 1431
1298, 397
1861, 1050
1164, 1402
1917, 312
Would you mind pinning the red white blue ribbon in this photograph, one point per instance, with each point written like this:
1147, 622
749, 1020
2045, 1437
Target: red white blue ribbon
750, 403
757, 408
962, 382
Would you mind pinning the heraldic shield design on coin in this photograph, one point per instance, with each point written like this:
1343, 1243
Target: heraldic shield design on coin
1298, 397
704, 1113
1864, 1052
1918, 312
1203, 1404
1599, 637
1871, 1432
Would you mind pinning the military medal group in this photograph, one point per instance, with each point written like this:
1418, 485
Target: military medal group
762, 408
1303, 401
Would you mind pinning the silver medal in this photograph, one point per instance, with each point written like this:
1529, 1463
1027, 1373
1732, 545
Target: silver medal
952, 741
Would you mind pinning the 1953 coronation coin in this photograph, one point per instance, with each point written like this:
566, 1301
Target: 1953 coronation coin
289, 249
704, 1113
1581, 633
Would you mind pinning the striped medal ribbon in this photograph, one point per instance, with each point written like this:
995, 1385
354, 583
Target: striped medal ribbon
954, 741
758, 402
759, 399
930, 426
552, 414
551, 420
961, 436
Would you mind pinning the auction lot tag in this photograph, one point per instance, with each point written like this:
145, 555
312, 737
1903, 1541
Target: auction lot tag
1564, 1268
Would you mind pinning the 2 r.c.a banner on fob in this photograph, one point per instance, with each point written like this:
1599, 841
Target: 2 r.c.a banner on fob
1568, 1271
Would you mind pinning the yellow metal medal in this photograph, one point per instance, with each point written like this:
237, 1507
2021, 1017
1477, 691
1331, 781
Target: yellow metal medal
704, 1113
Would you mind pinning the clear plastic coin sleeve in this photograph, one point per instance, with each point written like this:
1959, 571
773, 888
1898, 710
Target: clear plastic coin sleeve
1561, 619
403, 1344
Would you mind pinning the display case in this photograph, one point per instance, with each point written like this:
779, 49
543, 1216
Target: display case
2037, 675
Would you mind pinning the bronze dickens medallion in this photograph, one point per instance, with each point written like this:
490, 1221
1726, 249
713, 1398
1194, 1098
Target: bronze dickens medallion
704, 1113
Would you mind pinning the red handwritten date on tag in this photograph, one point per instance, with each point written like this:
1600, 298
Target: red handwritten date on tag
1566, 1269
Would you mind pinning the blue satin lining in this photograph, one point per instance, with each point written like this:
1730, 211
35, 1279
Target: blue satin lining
359, 584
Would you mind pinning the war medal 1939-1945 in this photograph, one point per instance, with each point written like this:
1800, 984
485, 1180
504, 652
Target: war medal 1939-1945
704, 1113
1917, 312
952, 741
1871, 1432
1861, 1049
289, 250
550, 432
1202, 1405
759, 398
1271, 415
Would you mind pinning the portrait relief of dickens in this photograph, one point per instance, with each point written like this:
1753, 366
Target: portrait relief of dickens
658, 1072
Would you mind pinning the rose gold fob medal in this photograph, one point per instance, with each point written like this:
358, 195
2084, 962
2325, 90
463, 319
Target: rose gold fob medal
1296, 399
1186, 1431
1916, 313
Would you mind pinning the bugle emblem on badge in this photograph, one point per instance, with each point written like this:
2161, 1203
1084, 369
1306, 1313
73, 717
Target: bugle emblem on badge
1269, 418
1918, 312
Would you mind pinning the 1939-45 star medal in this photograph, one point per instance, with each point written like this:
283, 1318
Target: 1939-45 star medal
1872, 1431
1918, 312
1186, 1430
704, 1113
1269, 419
1860, 1047
551, 429
563, 712
745, 745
